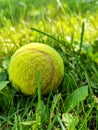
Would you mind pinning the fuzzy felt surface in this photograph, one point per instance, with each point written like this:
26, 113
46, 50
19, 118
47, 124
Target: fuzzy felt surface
31, 59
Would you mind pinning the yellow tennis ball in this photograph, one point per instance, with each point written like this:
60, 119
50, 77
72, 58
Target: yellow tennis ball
30, 59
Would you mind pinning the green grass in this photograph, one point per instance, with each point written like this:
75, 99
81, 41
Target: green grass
72, 29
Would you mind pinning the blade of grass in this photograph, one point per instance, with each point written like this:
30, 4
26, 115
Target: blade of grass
81, 37
29, 106
61, 6
3, 84
52, 124
75, 98
97, 118
48, 35
60, 122
15, 127
38, 113
54, 104
11, 12
87, 116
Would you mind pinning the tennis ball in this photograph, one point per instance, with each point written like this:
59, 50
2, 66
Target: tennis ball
30, 59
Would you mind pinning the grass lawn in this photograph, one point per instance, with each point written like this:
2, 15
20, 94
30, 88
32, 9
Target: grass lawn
71, 28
